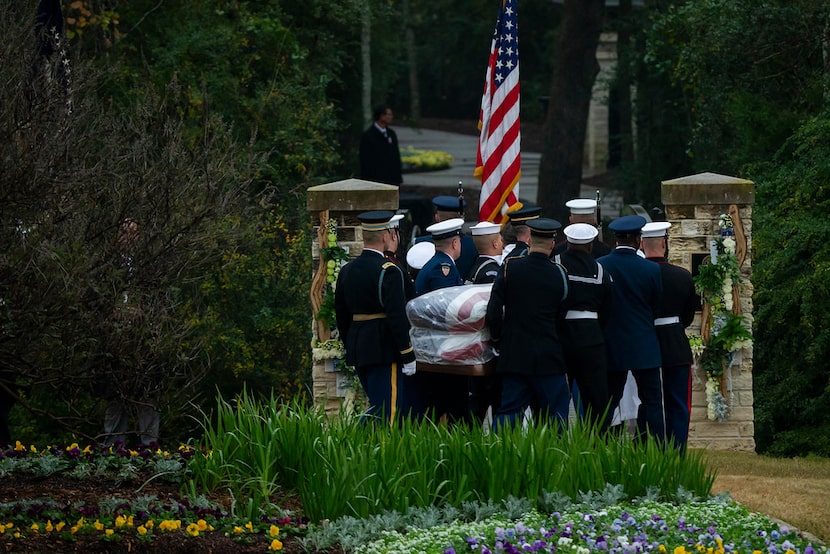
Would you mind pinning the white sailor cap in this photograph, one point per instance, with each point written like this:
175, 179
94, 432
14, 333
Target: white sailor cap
581, 206
419, 254
580, 233
446, 229
485, 228
396, 220
655, 229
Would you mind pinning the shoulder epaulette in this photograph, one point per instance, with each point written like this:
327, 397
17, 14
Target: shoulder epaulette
387, 265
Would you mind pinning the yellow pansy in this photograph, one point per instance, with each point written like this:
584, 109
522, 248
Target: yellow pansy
274, 531
193, 530
142, 530
34, 527
49, 526
109, 532
202, 525
237, 529
59, 527
249, 526
275, 545
98, 525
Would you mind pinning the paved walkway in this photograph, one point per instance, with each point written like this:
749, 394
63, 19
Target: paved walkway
463, 150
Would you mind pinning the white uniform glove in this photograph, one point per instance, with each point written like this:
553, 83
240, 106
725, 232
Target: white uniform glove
408, 368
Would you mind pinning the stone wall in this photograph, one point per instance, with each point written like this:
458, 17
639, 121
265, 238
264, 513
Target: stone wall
693, 206
341, 201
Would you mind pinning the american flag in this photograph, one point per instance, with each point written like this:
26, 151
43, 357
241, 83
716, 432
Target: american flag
498, 160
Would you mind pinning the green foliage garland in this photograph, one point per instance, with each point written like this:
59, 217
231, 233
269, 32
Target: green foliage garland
728, 331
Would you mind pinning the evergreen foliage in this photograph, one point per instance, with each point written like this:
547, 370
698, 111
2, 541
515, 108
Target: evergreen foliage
792, 283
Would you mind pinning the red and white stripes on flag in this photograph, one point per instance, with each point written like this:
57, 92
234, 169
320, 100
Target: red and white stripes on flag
498, 160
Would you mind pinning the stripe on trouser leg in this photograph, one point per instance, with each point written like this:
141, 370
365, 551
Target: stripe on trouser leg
393, 402
663, 405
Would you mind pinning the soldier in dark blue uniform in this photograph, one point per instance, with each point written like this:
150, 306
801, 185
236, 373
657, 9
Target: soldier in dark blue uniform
521, 316
489, 244
449, 207
584, 210
629, 335
680, 302
440, 271
370, 305
581, 328
517, 226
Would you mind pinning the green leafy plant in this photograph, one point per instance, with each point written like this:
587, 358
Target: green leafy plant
728, 332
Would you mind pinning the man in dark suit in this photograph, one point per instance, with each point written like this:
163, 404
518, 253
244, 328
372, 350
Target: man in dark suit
629, 335
680, 302
521, 315
370, 305
586, 312
584, 210
380, 156
450, 207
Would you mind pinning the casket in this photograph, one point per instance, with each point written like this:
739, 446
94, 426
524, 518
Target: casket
448, 330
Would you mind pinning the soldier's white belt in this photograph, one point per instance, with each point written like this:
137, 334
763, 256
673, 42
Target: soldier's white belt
666, 321
367, 317
581, 314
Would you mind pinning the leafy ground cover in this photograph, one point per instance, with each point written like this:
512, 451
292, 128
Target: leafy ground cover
416, 488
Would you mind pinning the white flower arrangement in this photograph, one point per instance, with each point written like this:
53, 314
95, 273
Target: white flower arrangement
328, 350
728, 332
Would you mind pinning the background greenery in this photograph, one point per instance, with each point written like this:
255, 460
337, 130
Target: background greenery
207, 120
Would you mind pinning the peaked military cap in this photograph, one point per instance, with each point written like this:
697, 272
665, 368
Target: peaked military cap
447, 203
446, 229
522, 216
627, 225
376, 220
419, 254
396, 220
581, 206
655, 229
485, 228
543, 227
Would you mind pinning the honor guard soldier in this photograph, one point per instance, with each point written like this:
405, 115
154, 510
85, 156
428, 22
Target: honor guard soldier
629, 334
584, 210
586, 311
392, 256
446, 396
521, 315
487, 237
450, 207
680, 302
440, 271
517, 231
370, 305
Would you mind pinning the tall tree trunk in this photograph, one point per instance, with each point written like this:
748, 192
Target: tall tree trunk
560, 170
623, 83
366, 58
412, 60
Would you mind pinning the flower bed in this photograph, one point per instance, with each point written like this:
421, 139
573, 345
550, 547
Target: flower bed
128, 500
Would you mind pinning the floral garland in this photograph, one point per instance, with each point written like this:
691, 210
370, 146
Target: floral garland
727, 331
335, 257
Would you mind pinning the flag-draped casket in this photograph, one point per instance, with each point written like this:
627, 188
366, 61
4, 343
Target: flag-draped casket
448, 326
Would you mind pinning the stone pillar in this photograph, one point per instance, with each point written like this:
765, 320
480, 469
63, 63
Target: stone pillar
341, 201
693, 206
